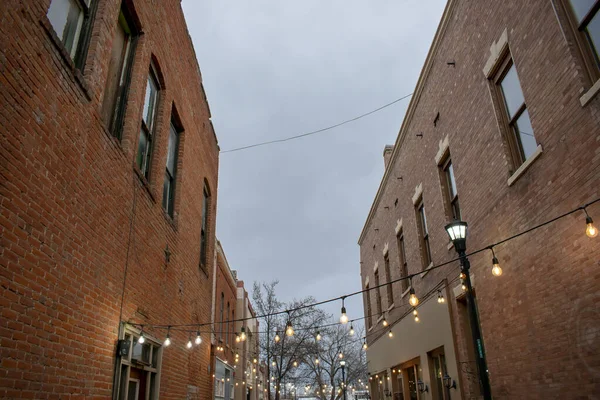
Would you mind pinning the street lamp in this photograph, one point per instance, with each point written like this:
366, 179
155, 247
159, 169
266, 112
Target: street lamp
343, 364
457, 230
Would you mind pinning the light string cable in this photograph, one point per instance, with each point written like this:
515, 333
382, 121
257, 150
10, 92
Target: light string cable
318, 130
409, 276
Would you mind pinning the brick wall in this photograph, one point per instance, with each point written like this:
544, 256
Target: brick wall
538, 319
226, 285
68, 192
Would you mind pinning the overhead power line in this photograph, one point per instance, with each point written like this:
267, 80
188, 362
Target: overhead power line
318, 130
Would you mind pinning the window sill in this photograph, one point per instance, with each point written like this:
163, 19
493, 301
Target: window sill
427, 270
170, 220
521, 170
405, 292
590, 94
66, 57
204, 269
145, 182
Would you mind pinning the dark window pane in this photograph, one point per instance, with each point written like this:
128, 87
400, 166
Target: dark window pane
142, 146
581, 8
172, 150
528, 142
511, 89
593, 32
66, 17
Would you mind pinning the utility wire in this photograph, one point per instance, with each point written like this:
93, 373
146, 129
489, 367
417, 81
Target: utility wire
410, 276
318, 130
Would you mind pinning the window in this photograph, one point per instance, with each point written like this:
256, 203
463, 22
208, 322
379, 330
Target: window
72, 20
231, 323
137, 374
203, 230
228, 324
144, 153
585, 19
378, 295
388, 273
449, 189
402, 260
118, 78
423, 234
438, 390
520, 137
368, 301
221, 316
170, 171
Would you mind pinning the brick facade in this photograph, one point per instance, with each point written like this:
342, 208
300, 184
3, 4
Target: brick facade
539, 319
70, 192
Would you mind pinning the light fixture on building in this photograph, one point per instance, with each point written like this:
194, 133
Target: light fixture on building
413, 299
590, 229
318, 337
496, 270
168, 339
289, 329
243, 334
422, 386
449, 382
441, 298
351, 330
343, 317
198, 338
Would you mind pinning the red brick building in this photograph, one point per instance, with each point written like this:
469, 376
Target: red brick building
503, 131
224, 333
108, 192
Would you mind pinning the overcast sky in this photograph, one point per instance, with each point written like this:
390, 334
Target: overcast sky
271, 69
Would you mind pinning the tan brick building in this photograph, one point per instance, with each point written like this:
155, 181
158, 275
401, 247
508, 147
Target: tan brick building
108, 192
504, 118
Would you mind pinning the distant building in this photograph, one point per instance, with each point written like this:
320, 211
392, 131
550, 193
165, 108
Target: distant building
108, 177
224, 334
503, 132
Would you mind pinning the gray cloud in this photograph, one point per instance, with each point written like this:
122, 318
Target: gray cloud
273, 69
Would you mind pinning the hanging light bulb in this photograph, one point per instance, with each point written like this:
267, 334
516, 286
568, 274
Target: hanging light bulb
351, 330
255, 361
318, 336
343, 317
384, 322
141, 339
464, 287
462, 276
590, 230
198, 338
237, 338
365, 344
316, 360
441, 298
295, 363
417, 318
168, 339
289, 330
273, 363
415, 312
341, 355
496, 270
277, 338
390, 334
243, 334
413, 299
189, 343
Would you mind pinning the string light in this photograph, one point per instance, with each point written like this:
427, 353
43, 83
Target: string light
384, 322
351, 330
440, 298
365, 346
590, 230
277, 338
168, 339
141, 339
273, 363
289, 329
416, 314
413, 299
189, 343
198, 338
317, 360
295, 363
243, 334
341, 355
237, 338
390, 334
255, 361
318, 337
343, 317
496, 270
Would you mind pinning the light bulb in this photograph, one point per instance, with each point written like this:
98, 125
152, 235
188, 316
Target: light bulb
141, 339
365, 346
413, 299
277, 338
462, 275
243, 334
384, 322
237, 338
441, 297
417, 318
343, 317
390, 334
341, 355
415, 312
316, 361
464, 287
318, 336
295, 363
198, 338
273, 363
590, 229
351, 330
496, 270
289, 330
189, 344
255, 361
167, 341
